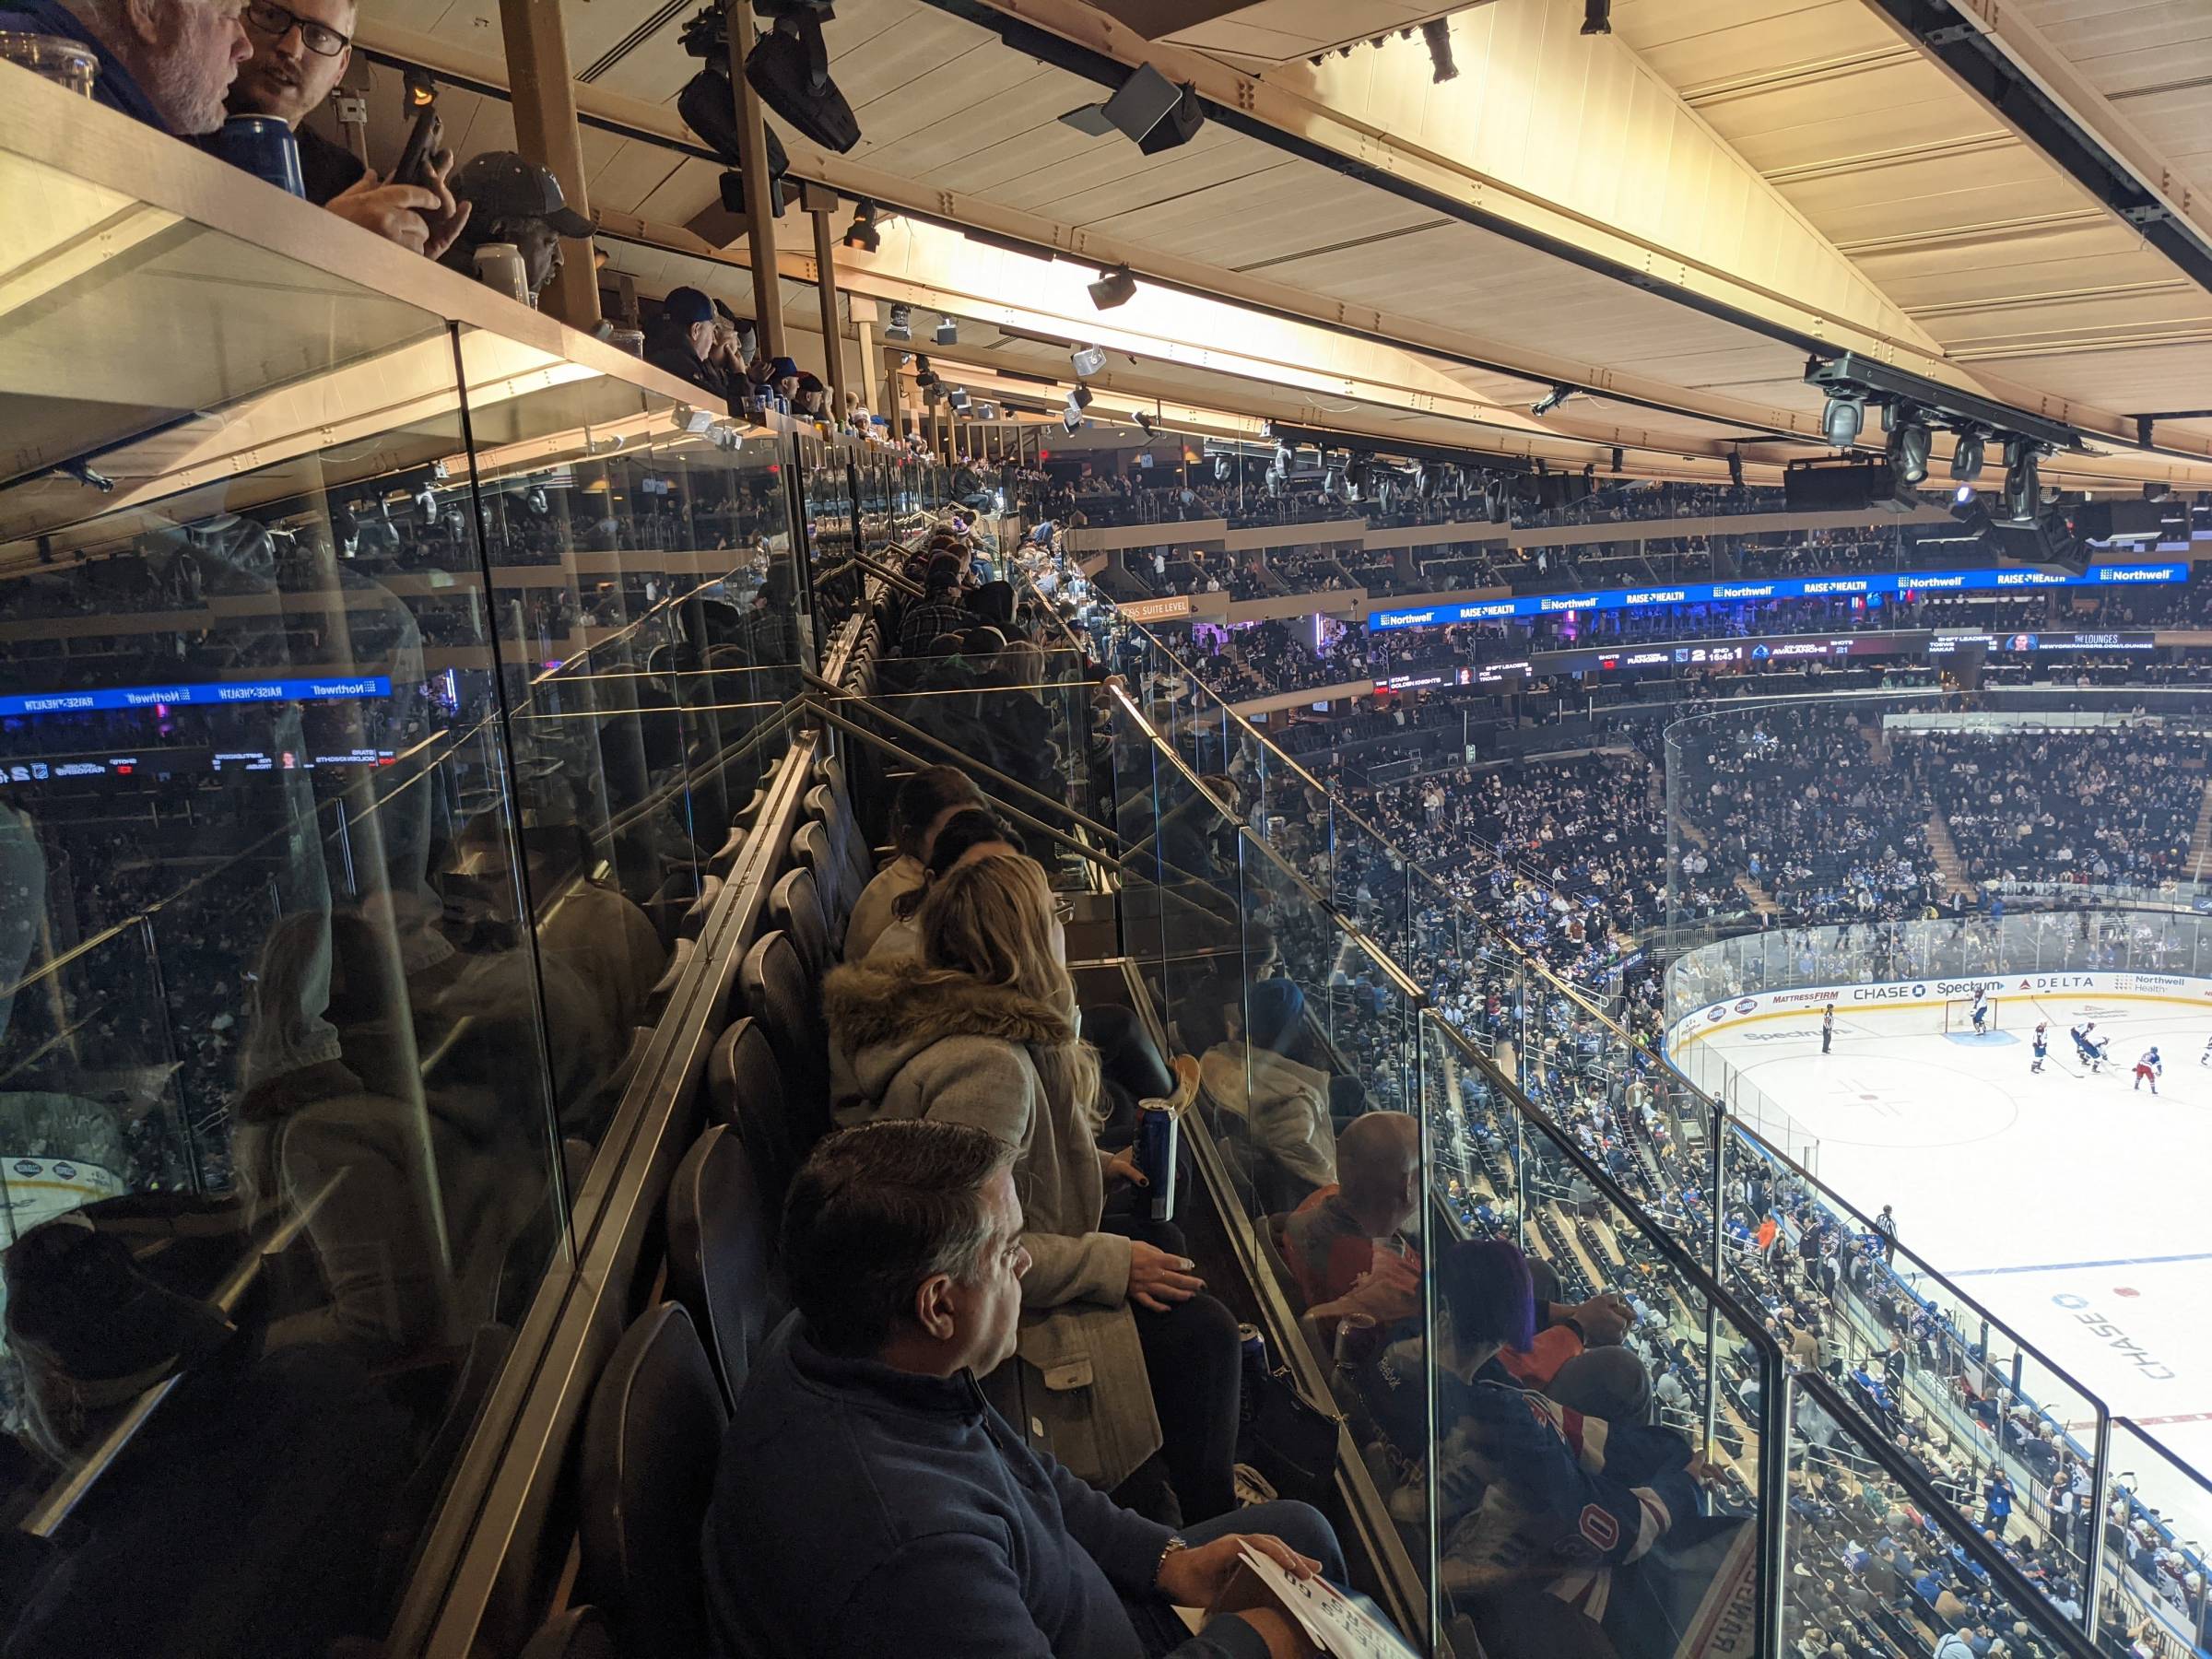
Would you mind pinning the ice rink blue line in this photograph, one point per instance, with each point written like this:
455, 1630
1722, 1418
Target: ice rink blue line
2202, 1255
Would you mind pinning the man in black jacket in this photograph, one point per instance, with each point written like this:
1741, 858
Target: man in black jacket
683, 343
870, 1502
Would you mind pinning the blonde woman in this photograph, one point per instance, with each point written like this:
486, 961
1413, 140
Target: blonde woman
981, 1029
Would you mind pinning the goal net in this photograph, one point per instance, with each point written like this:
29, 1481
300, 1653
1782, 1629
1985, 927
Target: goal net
1959, 1014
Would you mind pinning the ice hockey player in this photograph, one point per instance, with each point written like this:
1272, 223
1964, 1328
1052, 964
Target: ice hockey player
1980, 1014
2150, 1066
2043, 1043
2087, 1048
2205, 1058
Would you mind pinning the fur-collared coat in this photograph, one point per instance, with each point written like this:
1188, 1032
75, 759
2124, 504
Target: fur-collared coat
909, 1041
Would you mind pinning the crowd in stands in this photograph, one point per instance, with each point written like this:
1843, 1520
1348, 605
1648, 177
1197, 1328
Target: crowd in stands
2114, 805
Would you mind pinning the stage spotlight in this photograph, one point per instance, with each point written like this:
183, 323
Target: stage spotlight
1070, 420
901, 325
1963, 496
1597, 17
1079, 398
865, 231
1144, 422
1117, 287
1841, 420
1552, 399
948, 331
959, 396
1088, 359
422, 91
1966, 456
1908, 441
2023, 490
789, 67
1736, 468
1438, 34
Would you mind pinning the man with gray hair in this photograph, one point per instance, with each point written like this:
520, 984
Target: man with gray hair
167, 63
870, 1500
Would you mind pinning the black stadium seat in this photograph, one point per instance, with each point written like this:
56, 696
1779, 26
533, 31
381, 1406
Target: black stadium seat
657, 1418
810, 845
720, 1247
745, 1089
795, 904
573, 1633
780, 995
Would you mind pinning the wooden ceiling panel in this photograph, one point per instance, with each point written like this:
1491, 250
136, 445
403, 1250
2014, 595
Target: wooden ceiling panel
2147, 377
1061, 168
691, 187
1906, 199
1282, 213
1779, 138
1756, 43
620, 171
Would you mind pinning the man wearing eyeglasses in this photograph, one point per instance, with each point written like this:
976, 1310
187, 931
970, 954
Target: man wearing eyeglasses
300, 52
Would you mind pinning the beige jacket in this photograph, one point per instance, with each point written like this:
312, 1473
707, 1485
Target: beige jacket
1287, 1105
908, 1041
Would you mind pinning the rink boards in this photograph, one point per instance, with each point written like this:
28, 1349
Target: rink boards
1928, 996
2075, 1206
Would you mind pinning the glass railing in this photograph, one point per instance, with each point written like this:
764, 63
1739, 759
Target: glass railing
357, 792
1627, 1121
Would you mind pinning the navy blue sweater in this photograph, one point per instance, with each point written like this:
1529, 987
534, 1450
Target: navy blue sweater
864, 1511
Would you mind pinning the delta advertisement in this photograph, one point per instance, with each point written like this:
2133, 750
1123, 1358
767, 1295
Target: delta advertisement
1806, 1001
1992, 580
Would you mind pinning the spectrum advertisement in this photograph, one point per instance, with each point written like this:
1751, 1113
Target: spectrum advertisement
1882, 584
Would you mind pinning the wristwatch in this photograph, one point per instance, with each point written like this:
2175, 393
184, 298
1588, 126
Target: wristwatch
1166, 1549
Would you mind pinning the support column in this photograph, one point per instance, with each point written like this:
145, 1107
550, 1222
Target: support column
760, 206
820, 203
546, 131
863, 313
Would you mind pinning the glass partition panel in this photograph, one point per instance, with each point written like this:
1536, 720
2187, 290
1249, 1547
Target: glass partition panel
266, 829
1670, 1515
2156, 1516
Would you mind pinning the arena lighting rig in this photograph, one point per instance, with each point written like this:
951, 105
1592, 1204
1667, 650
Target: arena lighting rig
2034, 531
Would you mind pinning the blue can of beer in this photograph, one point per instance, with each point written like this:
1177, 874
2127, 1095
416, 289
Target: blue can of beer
263, 145
1159, 1138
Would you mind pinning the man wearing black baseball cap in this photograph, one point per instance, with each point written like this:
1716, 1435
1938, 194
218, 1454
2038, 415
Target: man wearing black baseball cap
512, 199
683, 342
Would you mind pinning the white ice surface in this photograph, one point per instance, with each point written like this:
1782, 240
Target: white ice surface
2057, 1200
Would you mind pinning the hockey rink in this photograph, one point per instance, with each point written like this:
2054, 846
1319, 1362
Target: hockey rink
2077, 1208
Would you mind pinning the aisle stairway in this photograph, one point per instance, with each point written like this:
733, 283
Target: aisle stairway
1945, 851
2199, 867
1755, 893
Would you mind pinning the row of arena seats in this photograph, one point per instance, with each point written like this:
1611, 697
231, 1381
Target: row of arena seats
660, 1405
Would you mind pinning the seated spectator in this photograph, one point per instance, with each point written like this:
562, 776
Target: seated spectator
938, 611
167, 63
967, 834
870, 1502
1572, 1502
1329, 1244
982, 1030
924, 802
299, 55
683, 342
1284, 1105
